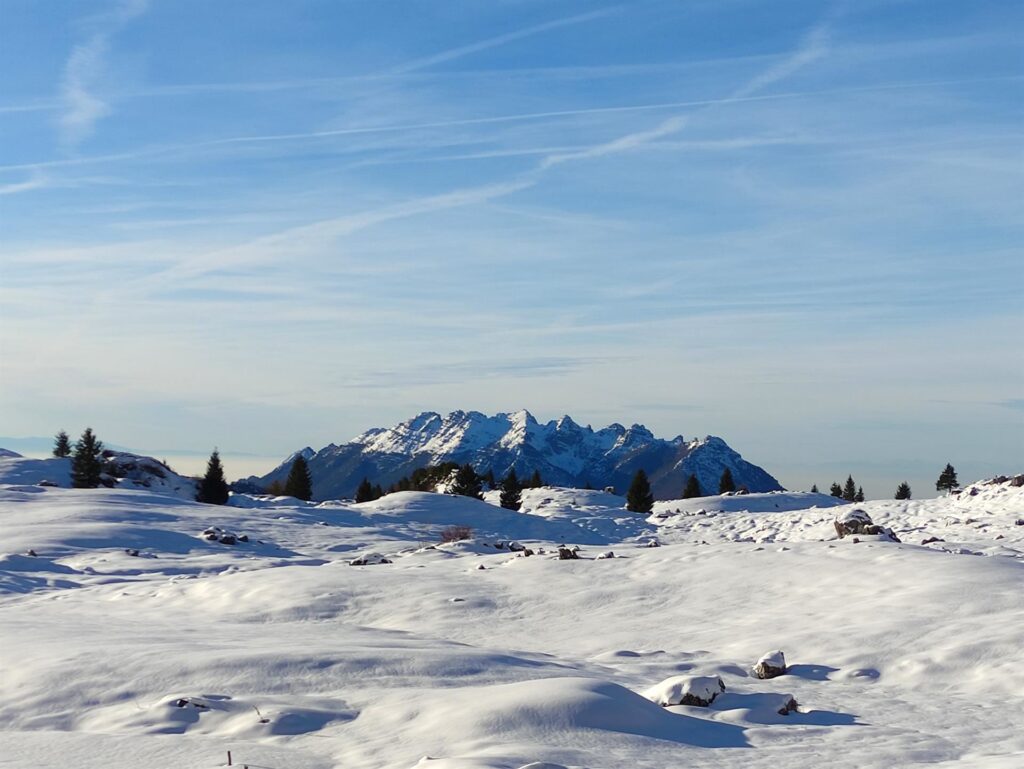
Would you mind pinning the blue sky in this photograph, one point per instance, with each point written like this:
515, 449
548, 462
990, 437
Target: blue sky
261, 225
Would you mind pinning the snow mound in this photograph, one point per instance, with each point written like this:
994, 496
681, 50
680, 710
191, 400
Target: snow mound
686, 690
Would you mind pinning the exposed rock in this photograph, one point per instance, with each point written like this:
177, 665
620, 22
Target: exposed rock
568, 553
686, 690
605, 555
771, 665
857, 521
368, 559
789, 705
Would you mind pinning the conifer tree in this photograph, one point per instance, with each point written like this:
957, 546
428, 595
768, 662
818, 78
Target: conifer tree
511, 492
639, 498
947, 480
903, 491
859, 496
378, 491
535, 480
61, 445
814, 489
726, 483
489, 479
299, 483
850, 489
365, 491
275, 489
692, 488
86, 465
213, 489
836, 491
466, 483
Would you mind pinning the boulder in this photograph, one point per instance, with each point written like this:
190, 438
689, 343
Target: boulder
857, 521
568, 553
686, 690
788, 705
771, 665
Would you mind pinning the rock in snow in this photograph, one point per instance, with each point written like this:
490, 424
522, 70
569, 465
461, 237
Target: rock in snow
686, 690
771, 665
857, 521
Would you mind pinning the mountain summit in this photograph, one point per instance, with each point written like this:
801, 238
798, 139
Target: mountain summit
565, 454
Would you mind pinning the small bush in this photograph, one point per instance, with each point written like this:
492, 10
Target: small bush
456, 534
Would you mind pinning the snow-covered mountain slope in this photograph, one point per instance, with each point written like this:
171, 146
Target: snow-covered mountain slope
565, 454
129, 638
121, 469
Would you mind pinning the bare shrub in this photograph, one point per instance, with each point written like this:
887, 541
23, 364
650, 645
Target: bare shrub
456, 533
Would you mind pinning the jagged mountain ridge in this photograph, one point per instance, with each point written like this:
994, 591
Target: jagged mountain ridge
565, 454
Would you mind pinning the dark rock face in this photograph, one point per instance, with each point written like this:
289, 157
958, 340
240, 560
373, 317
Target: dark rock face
563, 452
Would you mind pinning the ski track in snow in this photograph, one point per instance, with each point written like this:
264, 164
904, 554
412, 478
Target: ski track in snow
467, 656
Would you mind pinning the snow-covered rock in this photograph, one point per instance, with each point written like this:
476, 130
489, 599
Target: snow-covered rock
857, 521
686, 690
369, 559
770, 665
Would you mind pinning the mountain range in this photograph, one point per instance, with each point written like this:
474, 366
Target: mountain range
563, 452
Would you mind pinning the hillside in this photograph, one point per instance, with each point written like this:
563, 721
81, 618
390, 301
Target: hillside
563, 452
141, 641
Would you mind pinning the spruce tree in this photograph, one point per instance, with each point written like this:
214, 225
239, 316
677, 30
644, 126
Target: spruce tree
378, 491
299, 483
903, 491
213, 489
850, 489
692, 488
859, 496
535, 480
947, 480
275, 488
61, 445
466, 483
365, 491
639, 498
86, 465
490, 480
726, 483
511, 492
814, 489
836, 491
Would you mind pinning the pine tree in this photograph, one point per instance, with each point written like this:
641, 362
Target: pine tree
836, 491
850, 489
859, 496
275, 489
639, 498
692, 488
365, 491
378, 491
535, 480
947, 480
466, 483
726, 483
61, 445
213, 489
511, 492
814, 489
903, 491
299, 483
86, 465
489, 479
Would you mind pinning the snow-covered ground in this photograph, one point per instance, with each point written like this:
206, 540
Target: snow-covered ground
132, 640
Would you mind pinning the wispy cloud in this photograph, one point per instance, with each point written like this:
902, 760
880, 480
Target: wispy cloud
82, 106
34, 182
493, 42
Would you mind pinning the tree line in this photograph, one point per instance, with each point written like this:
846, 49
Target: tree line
87, 469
